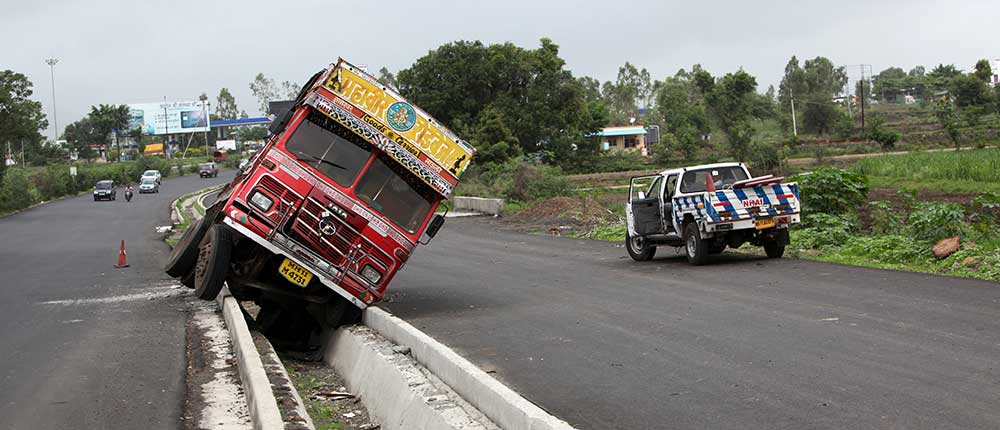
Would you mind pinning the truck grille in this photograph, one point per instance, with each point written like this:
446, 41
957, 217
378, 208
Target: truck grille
337, 247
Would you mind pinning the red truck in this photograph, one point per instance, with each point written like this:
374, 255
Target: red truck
332, 207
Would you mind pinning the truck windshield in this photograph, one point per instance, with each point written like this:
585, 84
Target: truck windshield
327, 146
694, 181
396, 193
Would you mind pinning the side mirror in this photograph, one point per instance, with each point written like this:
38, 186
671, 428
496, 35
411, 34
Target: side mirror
432, 229
642, 195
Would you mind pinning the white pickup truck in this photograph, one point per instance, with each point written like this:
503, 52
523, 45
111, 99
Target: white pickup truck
708, 208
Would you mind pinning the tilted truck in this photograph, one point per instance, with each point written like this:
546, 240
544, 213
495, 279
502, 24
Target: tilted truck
334, 204
706, 209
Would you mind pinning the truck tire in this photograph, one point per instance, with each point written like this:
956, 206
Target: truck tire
213, 262
188, 280
773, 249
185, 253
638, 249
696, 248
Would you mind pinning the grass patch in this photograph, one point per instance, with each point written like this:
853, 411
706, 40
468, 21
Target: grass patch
942, 185
977, 165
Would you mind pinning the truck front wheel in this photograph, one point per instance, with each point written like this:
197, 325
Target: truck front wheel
213, 262
185, 253
638, 248
696, 247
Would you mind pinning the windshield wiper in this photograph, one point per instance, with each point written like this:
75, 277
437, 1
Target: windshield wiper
315, 158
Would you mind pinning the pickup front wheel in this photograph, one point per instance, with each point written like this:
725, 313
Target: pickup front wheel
638, 248
696, 247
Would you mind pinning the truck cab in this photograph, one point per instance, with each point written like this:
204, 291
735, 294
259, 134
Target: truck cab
706, 209
333, 206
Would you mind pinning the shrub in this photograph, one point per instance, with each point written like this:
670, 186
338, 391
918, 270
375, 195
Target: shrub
832, 191
890, 248
933, 221
765, 158
537, 182
885, 218
16, 191
823, 231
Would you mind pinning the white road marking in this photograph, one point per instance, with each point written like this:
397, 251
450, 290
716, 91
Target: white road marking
162, 291
829, 319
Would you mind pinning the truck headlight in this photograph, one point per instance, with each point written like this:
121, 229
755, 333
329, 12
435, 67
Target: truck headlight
261, 201
371, 274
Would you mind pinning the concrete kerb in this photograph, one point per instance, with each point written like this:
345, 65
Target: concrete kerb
479, 205
264, 413
499, 403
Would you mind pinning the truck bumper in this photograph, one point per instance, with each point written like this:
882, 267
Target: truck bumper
330, 283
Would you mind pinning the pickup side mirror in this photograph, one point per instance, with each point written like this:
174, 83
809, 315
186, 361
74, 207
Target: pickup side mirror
432, 229
642, 195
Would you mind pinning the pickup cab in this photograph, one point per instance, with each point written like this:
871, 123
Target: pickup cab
706, 209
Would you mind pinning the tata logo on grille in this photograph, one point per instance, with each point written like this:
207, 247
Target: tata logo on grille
327, 226
752, 202
401, 116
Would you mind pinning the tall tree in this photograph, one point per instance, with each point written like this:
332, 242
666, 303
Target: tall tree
289, 90
110, 120
265, 90
680, 111
20, 117
630, 91
542, 104
386, 77
82, 136
225, 105
813, 88
731, 101
983, 71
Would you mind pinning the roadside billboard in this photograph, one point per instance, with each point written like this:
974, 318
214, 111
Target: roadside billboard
168, 117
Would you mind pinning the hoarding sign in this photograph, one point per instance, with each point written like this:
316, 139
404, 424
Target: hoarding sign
393, 112
169, 117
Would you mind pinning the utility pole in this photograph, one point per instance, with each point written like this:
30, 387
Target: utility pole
862, 99
795, 127
55, 119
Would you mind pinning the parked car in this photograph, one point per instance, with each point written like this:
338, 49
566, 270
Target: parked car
105, 190
208, 170
148, 185
155, 174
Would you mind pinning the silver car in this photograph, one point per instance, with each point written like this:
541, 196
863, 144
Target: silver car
149, 185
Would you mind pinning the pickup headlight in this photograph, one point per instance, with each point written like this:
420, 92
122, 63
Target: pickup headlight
261, 201
371, 274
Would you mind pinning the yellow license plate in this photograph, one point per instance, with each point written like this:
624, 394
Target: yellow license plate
294, 273
766, 223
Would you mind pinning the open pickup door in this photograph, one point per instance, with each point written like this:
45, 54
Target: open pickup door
644, 208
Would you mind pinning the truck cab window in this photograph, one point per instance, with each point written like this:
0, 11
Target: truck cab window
396, 193
324, 144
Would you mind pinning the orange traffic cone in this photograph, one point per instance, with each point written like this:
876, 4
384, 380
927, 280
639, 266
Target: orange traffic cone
122, 260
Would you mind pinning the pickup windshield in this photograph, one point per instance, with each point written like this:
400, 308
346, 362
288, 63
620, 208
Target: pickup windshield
694, 180
396, 193
330, 148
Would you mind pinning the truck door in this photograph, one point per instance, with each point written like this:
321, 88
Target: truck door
644, 204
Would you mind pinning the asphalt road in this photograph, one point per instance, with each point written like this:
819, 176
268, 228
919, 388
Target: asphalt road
85, 345
744, 343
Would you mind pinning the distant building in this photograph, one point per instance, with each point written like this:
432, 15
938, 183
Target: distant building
995, 68
627, 138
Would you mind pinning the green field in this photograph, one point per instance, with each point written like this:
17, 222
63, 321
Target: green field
937, 169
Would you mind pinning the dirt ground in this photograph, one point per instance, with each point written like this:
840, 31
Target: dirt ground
573, 213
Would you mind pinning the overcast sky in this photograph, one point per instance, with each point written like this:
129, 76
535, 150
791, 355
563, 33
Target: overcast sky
113, 51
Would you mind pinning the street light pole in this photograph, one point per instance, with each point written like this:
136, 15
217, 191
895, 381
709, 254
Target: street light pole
55, 119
